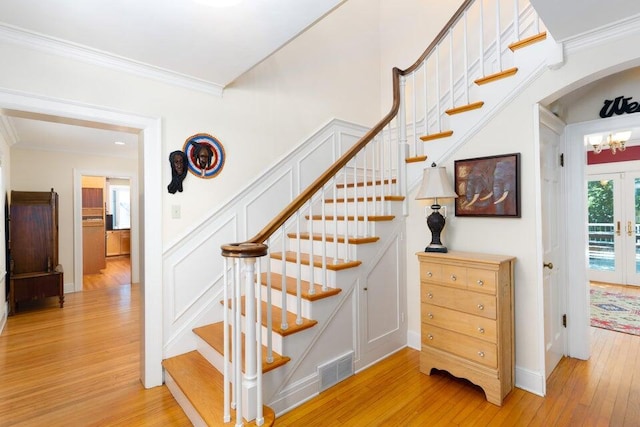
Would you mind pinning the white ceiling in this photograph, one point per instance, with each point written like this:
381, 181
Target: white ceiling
181, 40
195, 43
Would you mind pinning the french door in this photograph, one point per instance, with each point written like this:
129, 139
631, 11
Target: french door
613, 231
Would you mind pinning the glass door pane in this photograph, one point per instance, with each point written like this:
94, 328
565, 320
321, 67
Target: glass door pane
604, 228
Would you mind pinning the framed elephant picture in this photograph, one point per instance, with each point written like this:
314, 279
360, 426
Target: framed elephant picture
488, 186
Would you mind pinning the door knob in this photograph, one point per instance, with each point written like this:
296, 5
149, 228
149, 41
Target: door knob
549, 265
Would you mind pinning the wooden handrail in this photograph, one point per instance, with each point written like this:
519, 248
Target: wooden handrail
236, 249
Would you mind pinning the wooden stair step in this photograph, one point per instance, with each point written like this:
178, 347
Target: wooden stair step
214, 336
439, 135
496, 76
352, 218
291, 287
368, 183
416, 159
276, 319
202, 384
390, 198
332, 264
528, 41
353, 240
465, 108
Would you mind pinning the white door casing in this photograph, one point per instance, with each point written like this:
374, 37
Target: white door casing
150, 156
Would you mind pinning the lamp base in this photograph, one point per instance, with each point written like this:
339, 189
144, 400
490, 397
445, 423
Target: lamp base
436, 248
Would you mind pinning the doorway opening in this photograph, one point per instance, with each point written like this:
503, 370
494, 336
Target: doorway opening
106, 232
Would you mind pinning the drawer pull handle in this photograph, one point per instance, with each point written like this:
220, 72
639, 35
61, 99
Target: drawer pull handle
429, 274
430, 336
430, 315
453, 278
429, 295
480, 283
481, 330
480, 307
481, 353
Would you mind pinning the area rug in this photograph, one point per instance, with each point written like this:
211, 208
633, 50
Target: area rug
614, 311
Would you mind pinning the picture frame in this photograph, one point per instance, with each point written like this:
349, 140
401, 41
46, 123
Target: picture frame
488, 186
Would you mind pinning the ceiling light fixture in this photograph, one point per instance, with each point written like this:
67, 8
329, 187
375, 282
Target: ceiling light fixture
615, 142
119, 143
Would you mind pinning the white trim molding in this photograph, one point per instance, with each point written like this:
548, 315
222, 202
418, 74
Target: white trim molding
104, 59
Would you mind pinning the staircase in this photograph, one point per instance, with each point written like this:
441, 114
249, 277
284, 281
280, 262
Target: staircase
287, 291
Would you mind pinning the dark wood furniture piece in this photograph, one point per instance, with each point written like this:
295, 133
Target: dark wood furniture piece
34, 271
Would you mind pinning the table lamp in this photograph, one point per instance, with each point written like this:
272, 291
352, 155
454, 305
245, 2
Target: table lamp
435, 185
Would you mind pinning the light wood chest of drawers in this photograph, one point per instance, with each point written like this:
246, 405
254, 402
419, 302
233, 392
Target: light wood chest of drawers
467, 318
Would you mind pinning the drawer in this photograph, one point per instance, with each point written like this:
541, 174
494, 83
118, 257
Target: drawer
459, 300
454, 276
430, 272
482, 280
467, 324
469, 348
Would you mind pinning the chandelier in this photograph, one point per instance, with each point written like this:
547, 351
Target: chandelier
615, 142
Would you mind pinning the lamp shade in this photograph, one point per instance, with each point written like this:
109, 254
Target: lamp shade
435, 185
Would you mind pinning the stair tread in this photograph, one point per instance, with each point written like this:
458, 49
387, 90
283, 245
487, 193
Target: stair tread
355, 240
352, 218
332, 264
465, 108
439, 135
202, 384
528, 41
416, 159
496, 76
368, 183
276, 320
369, 199
291, 287
213, 335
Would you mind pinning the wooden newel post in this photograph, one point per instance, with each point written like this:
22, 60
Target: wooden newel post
247, 386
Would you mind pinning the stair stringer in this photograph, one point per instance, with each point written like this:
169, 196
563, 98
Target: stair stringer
531, 63
299, 379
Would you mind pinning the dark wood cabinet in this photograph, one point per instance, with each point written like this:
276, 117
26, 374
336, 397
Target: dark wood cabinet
34, 272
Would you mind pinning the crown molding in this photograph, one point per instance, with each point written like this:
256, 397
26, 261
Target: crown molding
104, 59
7, 131
610, 32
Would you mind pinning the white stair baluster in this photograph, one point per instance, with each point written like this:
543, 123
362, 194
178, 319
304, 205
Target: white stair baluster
451, 91
299, 272
237, 346
481, 37
498, 37
323, 204
258, 331
312, 289
225, 369
516, 21
283, 294
269, 309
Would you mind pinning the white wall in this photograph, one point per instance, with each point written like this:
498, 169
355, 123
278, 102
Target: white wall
509, 132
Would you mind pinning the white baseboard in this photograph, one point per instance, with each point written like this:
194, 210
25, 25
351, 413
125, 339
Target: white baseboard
531, 381
413, 340
295, 395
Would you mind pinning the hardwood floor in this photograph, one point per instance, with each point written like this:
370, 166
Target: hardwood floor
79, 366
117, 272
603, 391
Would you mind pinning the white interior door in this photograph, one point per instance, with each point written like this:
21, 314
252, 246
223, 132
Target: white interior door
553, 237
